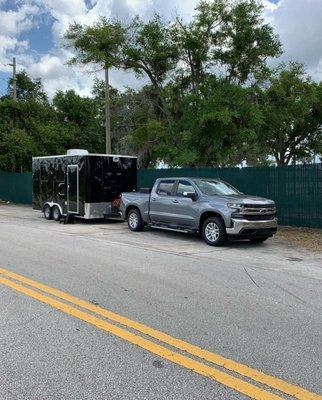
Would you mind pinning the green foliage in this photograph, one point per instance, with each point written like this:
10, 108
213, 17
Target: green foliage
150, 49
219, 127
100, 43
291, 106
27, 88
245, 40
81, 116
227, 35
146, 141
28, 128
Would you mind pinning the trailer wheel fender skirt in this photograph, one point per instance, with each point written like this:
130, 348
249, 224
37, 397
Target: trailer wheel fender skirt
51, 204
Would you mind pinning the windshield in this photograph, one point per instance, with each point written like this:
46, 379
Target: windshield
213, 187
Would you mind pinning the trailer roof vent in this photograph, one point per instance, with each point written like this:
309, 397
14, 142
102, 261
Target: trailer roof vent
77, 152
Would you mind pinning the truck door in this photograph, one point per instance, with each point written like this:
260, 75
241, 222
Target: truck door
72, 189
161, 210
185, 208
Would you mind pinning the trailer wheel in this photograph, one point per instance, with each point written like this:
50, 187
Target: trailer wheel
134, 220
47, 211
56, 213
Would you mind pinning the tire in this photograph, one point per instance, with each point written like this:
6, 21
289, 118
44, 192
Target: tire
259, 239
56, 213
214, 231
47, 212
134, 220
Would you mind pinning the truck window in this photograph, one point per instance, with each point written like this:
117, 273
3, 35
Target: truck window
185, 187
165, 187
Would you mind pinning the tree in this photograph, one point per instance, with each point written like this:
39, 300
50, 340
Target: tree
196, 39
80, 115
245, 40
151, 50
27, 88
29, 128
130, 110
225, 38
292, 110
220, 131
147, 141
101, 44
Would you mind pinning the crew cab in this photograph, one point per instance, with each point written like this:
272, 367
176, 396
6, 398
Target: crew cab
208, 206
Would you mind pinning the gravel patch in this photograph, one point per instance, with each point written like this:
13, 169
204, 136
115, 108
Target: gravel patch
308, 238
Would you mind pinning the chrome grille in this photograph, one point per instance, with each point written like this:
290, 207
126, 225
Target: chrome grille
258, 209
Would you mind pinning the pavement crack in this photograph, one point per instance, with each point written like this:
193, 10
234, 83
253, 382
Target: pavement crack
250, 277
291, 294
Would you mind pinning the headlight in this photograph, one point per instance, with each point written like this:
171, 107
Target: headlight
235, 206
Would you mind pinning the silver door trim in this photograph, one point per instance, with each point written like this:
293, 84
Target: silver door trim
72, 212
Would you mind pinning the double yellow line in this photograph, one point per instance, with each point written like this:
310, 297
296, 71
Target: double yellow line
23, 285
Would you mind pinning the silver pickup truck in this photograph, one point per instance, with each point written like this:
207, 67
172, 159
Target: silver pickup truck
207, 206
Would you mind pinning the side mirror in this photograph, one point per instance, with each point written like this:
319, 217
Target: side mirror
191, 195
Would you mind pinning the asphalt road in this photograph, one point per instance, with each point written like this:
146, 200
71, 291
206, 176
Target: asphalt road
255, 309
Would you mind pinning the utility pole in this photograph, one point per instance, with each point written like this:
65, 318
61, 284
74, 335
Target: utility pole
107, 113
14, 78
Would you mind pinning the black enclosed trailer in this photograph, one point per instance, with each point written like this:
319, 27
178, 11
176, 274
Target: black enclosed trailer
82, 184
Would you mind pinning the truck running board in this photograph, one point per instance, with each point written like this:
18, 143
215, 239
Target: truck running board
167, 228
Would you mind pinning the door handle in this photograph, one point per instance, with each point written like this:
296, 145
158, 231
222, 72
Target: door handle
175, 201
153, 199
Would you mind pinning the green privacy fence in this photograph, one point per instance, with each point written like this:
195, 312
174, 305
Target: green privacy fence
16, 187
297, 189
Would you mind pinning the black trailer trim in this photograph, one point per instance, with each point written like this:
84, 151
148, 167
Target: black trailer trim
69, 186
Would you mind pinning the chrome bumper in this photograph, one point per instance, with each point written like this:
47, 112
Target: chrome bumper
240, 224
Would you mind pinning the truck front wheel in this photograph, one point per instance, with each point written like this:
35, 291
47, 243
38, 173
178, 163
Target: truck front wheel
134, 220
214, 232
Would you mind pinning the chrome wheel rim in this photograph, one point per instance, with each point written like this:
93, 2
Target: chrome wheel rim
47, 212
56, 213
212, 231
133, 220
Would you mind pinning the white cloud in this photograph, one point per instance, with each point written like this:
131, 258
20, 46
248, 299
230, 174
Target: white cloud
58, 76
298, 23
10, 47
12, 24
15, 22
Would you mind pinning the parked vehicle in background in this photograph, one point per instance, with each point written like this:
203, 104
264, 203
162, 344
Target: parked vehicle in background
82, 184
211, 207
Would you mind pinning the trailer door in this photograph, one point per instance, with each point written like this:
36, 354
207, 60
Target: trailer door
72, 189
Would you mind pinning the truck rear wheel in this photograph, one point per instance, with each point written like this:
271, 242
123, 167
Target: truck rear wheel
134, 220
214, 232
47, 212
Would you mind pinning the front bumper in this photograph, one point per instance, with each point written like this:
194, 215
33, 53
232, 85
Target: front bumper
245, 227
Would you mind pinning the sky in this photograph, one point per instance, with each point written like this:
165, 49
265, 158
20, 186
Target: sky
32, 30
